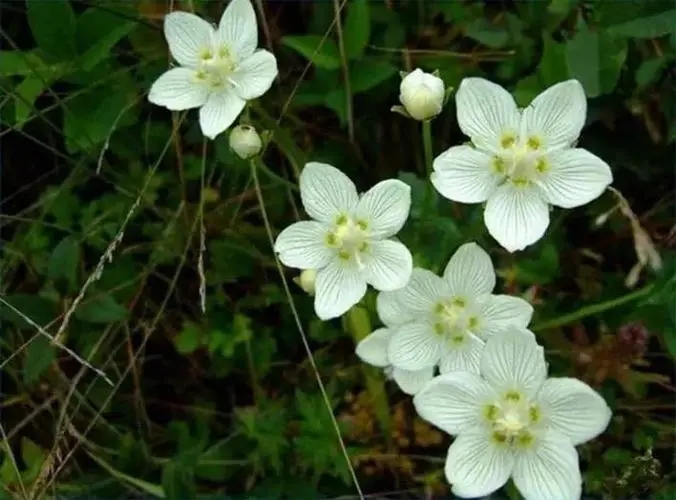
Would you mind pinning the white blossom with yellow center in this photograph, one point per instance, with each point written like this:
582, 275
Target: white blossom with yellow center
510, 420
446, 320
349, 242
520, 161
220, 68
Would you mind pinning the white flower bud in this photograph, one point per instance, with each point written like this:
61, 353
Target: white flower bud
245, 141
307, 281
422, 94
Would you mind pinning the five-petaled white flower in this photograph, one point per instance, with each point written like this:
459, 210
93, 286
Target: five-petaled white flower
520, 162
373, 349
349, 241
511, 420
220, 68
446, 320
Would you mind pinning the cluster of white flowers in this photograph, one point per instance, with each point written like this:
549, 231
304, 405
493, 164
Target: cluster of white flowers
464, 353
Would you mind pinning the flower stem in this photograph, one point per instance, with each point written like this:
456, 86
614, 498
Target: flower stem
427, 150
593, 309
358, 323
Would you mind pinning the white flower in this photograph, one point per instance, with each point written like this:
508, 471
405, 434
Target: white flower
513, 421
349, 241
422, 94
451, 317
245, 141
373, 349
220, 68
521, 161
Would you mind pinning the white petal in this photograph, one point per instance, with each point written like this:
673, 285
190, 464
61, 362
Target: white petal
464, 174
454, 401
573, 408
485, 112
176, 90
475, 466
337, 289
575, 178
254, 75
373, 348
557, 115
513, 360
516, 216
326, 192
412, 381
389, 266
463, 358
187, 35
302, 245
389, 310
219, 112
499, 311
237, 28
422, 292
470, 272
414, 346
549, 470
385, 207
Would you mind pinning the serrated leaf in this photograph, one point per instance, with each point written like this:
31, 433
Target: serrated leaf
100, 309
64, 260
595, 59
323, 53
357, 29
53, 26
40, 354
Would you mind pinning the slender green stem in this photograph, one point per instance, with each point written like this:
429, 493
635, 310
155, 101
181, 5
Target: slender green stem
427, 151
358, 323
593, 309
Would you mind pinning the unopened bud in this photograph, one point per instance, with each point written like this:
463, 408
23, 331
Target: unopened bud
307, 280
245, 141
422, 94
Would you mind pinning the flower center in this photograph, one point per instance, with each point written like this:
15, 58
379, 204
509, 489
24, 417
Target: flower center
216, 67
520, 161
350, 237
452, 318
511, 419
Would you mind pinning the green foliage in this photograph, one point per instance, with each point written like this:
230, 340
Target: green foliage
223, 401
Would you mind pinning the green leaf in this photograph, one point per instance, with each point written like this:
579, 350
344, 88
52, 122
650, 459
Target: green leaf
650, 70
26, 93
100, 309
365, 75
651, 26
64, 260
98, 30
336, 101
38, 309
178, 481
357, 29
53, 26
189, 339
40, 354
596, 58
487, 34
25, 63
552, 68
327, 56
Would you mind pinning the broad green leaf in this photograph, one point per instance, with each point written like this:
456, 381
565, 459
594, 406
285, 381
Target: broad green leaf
365, 75
33, 456
552, 68
26, 94
336, 101
39, 310
40, 354
64, 260
24, 63
100, 309
327, 56
189, 339
487, 34
357, 29
53, 26
98, 30
649, 70
595, 58
651, 26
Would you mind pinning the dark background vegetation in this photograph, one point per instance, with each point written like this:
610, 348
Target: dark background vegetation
226, 402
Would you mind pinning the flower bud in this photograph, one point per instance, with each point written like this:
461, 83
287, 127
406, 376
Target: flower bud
422, 94
245, 141
307, 280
